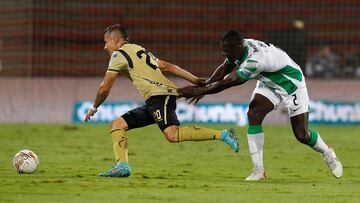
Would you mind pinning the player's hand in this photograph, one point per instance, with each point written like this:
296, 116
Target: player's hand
90, 113
201, 82
194, 100
187, 91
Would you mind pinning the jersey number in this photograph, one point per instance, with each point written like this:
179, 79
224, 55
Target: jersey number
294, 100
148, 62
157, 115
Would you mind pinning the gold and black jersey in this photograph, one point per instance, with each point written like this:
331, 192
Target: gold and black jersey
141, 67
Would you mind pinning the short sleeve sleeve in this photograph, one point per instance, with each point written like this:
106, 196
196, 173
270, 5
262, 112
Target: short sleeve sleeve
117, 62
249, 69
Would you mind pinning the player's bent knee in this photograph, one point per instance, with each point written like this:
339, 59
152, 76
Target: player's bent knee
118, 123
250, 113
255, 115
170, 134
171, 137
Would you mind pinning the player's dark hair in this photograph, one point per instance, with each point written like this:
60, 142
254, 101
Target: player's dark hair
118, 28
232, 36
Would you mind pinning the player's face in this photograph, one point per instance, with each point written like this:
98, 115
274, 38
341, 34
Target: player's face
230, 50
110, 43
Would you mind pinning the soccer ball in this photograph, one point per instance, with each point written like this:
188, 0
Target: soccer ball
25, 161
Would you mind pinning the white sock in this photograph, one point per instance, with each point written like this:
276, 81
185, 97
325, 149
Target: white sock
318, 144
256, 142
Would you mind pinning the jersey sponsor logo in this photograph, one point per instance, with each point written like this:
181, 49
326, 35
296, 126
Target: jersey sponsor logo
157, 83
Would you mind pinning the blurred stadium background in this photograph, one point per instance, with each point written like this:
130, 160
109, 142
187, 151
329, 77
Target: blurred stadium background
51, 52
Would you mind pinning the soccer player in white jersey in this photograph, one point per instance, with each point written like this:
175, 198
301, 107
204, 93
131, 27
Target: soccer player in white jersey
279, 79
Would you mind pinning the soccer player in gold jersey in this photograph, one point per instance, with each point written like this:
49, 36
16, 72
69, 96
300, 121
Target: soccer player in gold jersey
159, 93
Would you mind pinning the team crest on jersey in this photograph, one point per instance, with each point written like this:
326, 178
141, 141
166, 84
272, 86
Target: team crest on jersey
114, 55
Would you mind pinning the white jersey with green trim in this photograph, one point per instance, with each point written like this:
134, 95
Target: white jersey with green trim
271, 65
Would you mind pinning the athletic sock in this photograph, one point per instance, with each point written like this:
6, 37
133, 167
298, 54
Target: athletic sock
195, 133
255, 137
317, 143
120, 145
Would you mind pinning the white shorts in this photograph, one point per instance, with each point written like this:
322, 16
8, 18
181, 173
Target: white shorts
296, 103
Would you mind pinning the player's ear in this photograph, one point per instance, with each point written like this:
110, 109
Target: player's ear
116, 39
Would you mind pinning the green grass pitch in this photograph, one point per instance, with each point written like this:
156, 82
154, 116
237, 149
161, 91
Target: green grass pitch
72, 156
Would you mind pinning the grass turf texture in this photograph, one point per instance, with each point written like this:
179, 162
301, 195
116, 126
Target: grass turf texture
72, 156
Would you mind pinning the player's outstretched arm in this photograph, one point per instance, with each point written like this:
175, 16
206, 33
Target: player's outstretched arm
229, 81
176, 70
220, 72
102, 93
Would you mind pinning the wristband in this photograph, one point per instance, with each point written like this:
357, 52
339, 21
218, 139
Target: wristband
94, 109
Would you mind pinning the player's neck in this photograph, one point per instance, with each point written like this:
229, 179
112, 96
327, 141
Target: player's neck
123, 43
242, 53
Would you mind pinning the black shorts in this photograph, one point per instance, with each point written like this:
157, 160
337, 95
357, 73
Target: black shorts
157, 109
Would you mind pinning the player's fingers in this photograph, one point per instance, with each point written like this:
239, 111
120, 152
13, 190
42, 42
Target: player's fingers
192, 100
188, 100
202, 82
196, 101
87, 118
